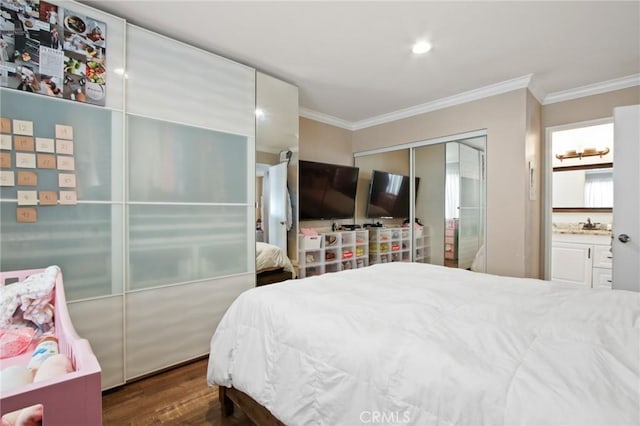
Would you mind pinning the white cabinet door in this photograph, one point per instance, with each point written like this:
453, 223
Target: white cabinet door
602, 257
571, 263
601, 278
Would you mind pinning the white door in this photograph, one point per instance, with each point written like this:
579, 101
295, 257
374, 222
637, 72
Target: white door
277, 206
626, 194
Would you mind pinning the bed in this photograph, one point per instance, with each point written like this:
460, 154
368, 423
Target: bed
409, 343
72, 399
272, 264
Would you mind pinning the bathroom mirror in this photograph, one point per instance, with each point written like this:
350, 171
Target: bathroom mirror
587, 188
277, 163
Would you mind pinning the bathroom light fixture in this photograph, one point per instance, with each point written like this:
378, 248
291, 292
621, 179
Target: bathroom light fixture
421, 47
259, 112
582, 152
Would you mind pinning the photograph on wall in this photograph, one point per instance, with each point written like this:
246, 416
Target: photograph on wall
53, 51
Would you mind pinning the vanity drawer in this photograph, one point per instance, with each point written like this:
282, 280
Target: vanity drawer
601, 278
602, 256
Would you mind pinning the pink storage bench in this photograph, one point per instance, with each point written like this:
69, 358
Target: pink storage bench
72, 399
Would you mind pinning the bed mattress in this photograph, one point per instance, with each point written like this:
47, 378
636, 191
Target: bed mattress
407, 343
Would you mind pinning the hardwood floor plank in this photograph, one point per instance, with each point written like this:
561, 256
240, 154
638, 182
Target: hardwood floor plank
178, 396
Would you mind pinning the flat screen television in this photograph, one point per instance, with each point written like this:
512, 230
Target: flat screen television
389, 195
326, 191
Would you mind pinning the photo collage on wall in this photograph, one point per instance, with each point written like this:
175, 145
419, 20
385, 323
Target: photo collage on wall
53, 51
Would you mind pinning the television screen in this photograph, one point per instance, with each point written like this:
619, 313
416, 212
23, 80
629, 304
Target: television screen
326, 191
389, 195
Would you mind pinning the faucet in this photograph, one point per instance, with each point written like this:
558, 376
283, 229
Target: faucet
589, 225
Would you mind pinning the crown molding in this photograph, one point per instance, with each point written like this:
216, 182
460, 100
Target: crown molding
536, 90
526, 81
592, 89
462, 98
325, 118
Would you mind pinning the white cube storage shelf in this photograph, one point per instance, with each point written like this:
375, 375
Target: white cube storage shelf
337, 251
393, 245
333, 252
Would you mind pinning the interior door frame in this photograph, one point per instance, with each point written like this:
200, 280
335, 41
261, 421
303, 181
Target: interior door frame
547, 177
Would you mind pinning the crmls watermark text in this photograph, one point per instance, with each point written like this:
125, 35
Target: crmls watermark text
385, 417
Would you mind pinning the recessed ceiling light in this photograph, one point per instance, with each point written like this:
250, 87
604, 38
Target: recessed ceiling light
421, 47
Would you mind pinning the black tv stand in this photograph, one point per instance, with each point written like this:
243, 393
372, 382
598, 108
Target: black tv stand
373, 225
351, 227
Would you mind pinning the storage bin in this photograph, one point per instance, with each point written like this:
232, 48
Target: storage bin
311, 242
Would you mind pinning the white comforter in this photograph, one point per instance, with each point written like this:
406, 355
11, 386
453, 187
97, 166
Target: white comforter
406, 343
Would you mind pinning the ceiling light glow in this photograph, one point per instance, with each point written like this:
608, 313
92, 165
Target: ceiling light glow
121, 71
259, 112
421, 47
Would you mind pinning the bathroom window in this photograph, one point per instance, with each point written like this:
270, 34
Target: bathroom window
598, 188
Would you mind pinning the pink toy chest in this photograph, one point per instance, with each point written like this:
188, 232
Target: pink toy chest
73, 399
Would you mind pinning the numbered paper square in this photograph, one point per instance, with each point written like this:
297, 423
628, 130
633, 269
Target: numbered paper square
64, 146
27, 198
64, 132
26, 215
7, 178
45, 145
23, 127
25, 160
27, 178
68, 197
46, 161
5, 142
66, 180
66, 163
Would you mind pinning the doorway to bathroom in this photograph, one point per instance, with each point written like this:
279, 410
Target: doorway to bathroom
579, 203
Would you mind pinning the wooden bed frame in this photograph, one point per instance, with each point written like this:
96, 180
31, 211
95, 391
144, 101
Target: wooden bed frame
256, 412
271, 277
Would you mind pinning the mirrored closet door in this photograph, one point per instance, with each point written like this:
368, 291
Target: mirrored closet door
447, 180
277, 163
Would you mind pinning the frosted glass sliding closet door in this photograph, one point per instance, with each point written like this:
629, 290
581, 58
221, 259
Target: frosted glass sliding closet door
190, 145
86, 239
161, 239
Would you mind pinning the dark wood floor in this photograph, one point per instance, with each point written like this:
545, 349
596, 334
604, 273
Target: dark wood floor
451, 263
176, 397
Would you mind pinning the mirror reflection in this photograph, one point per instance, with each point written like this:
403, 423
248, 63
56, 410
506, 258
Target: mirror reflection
583, 188
276, 163
450, 201
449, 209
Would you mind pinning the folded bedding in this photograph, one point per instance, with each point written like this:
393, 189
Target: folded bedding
271, 258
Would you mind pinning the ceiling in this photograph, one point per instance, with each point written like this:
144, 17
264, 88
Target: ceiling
353, 64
